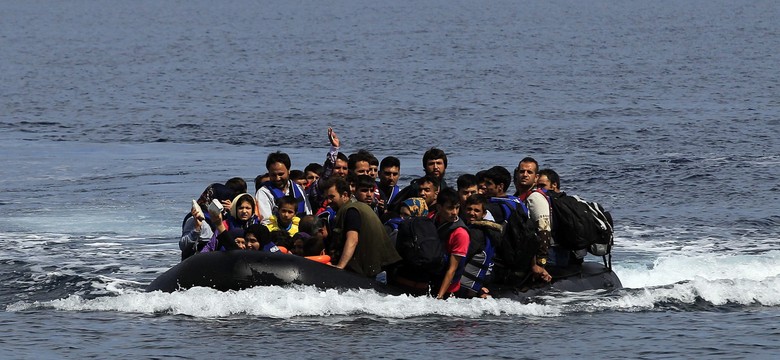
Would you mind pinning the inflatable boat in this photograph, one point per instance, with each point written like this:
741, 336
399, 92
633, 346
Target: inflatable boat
240, 269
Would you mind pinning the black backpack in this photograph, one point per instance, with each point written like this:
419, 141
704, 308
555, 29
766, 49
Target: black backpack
418, 243
519, 241
579, 224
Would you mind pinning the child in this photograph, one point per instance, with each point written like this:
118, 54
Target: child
284, 216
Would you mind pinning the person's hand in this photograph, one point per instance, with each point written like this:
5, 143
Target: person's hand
334, 139
198, 220
216, 216
541, 273
227, 203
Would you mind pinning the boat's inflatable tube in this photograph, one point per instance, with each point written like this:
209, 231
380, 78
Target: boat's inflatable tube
241, 269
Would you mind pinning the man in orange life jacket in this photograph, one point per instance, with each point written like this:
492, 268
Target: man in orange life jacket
539, 210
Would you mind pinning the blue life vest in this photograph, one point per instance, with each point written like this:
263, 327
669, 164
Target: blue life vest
393, 193
296, 192
509, 204
479, 262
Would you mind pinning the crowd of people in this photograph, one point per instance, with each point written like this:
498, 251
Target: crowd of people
349, 208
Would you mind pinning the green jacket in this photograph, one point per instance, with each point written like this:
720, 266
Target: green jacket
374, 249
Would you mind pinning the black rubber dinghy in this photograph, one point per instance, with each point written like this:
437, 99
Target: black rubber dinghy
241, 269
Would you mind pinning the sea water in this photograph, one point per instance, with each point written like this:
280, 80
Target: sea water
114, 115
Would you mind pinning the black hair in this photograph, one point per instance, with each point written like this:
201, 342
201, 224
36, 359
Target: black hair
499, 175
466, 180
296, 175
390, 161
430, 179
526, 159
341, 185
433, 154
259, 181
364, 181
476, 199
281, 238
260, 232
315, 168
287, 200
361, 155
448, 197
237, 184
277, 157
552, 176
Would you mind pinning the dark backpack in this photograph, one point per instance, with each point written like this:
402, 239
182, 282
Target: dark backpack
418, 243
519, 242
579, 224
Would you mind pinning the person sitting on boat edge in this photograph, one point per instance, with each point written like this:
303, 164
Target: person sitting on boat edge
284, 217
278, 166
539, 211
358, 241
194, 235
484, 239
453, 231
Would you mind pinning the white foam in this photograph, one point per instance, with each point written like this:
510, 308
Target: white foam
278, 302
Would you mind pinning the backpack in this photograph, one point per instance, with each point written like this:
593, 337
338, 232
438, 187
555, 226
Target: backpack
580, 224
418, 243
519, 242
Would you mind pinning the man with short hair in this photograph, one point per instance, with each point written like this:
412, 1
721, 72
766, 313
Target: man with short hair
359, 163
467, 186
435, 164
358, 242
387, 186
549, 181
279, 185
496, 181
428, 188
526, 175
452, 230
364, 190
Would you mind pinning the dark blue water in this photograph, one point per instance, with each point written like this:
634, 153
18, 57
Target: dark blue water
113, 115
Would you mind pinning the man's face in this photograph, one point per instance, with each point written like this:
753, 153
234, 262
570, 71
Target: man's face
544, 183
362, 168
526, 174
340, 168
373, 171
336, 200
278, 174
493, 189
464, 193
435, 167
365, 195
474, 212
448, 213
428, 192
389, 176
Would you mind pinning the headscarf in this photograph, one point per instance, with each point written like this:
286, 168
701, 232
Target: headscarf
417, 206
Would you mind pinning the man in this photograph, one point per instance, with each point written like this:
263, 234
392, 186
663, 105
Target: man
484, 237
364, 190
358, 242
435, 164
549, 181
359, 163
387, 186
428, 188
526, 175
279, 185
467, 186
452, 230
496, 181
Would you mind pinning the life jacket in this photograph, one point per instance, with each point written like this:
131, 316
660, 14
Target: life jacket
484, 236
296, 192
387, 197
506, 205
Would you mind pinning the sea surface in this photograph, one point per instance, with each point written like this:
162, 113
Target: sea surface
115, 114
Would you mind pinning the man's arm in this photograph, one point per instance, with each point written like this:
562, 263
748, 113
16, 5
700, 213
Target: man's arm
352, 238
446, 282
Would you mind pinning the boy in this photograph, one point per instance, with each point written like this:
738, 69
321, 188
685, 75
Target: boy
284, 217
